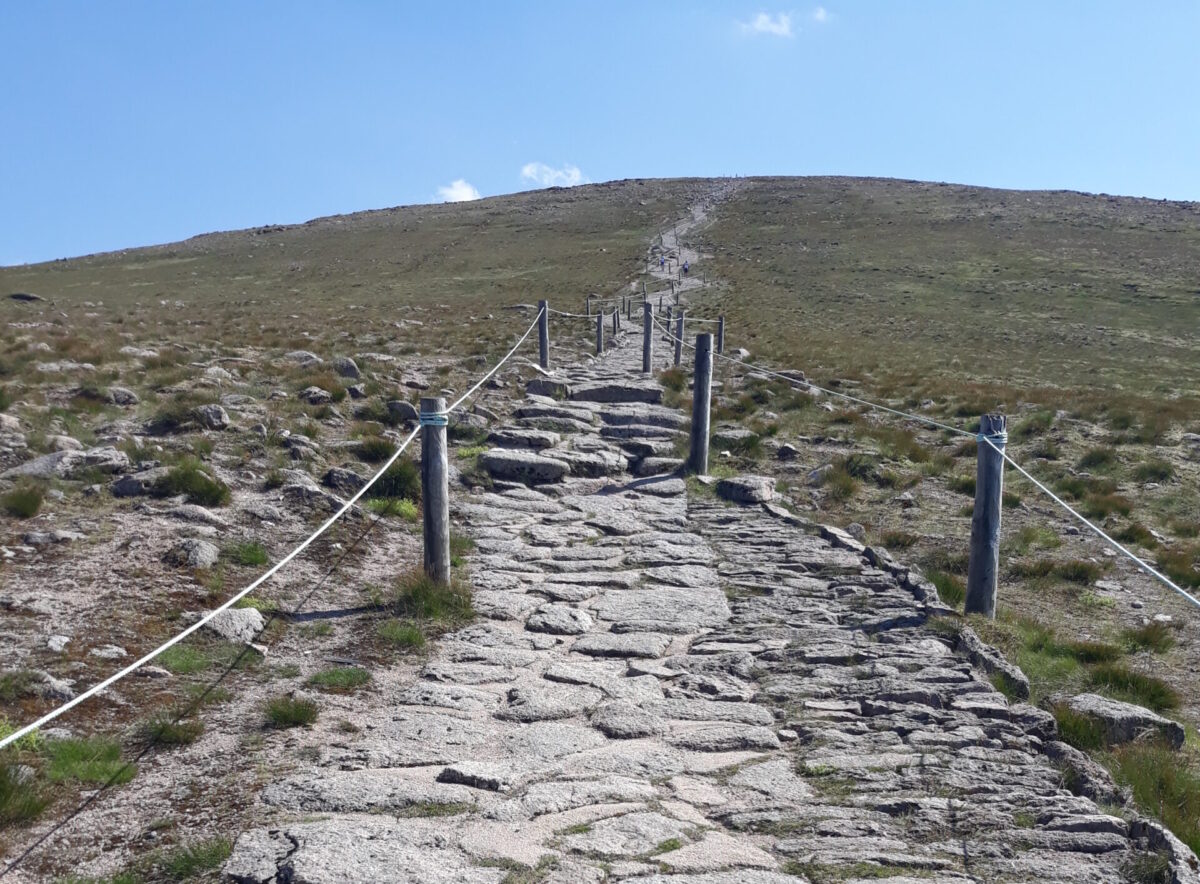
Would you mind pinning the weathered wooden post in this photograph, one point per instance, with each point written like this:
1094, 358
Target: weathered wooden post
588, 308
701, 401
674, 294
721, 334
643, 289
435, 495
660, 303
629, 307
679, 335
983, 565
544, 334
647, 334
616, 321
599, 333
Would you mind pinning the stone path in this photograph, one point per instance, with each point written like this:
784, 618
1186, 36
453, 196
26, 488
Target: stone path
666, 687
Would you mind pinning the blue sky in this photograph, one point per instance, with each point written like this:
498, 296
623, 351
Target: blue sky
131, 123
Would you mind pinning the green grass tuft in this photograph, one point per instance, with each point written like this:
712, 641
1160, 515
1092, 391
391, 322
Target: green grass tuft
24, 500
164, 730
340, 680
402, 480
248, 553
285, 712
189, 478
402, 634
1122, 683
1153, 636
187, 863
89, 760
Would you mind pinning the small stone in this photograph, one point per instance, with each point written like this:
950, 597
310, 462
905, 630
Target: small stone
303, 357
787, 451
240, 625
58, 643
346, 367
402, 411
345, 482
747, 489
1125, 722
358, 391
316, 396
109, 652
559, 620
212, 417
193, 553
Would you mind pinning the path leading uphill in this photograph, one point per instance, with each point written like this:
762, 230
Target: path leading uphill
665, 687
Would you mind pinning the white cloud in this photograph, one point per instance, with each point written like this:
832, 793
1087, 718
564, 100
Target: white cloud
458, 191
548, 176
820, 15
779, 25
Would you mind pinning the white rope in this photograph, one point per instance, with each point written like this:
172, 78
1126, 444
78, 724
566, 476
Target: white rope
979, 438
142, 661
1138, 561
574, 315
811, 385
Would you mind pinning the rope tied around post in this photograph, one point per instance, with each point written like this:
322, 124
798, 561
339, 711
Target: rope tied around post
434, 418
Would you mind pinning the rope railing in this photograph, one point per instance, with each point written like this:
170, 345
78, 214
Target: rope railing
274, 569
979, 438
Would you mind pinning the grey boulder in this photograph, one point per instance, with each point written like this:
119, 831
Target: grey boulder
1125, 722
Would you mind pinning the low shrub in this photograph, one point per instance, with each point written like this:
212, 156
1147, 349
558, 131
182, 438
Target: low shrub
1161, 786
1124, 683
1154, 470
188, 862
1098, 459
419, 597
402, 480
286, 712
22, 800
402, 634
87, 760
190, 479
1152, 636
951, 589
248, 553
375, 449
340, 680
168, 729
24, 500
1100, 506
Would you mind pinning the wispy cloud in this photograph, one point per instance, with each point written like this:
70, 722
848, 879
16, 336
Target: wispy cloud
458, 191
548, 176
778, 25
820, 15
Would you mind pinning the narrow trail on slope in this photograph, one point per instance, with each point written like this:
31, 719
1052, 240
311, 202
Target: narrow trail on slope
663, 687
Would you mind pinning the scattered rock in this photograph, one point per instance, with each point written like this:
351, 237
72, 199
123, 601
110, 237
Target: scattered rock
402, 411
212, 416
787, 451
346, 367
1125, 722
193, 553
241, 625
303, 358
747, 489
122, 396
559, 620
108, 652
344, 482
316, 396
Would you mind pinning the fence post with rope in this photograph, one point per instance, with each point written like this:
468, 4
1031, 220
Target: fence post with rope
435, 490
984, 562
721, 334
647, 335
701, 404
679, 335
544, 334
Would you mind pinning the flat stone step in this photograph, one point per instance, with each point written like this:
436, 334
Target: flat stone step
618, 392
516, 465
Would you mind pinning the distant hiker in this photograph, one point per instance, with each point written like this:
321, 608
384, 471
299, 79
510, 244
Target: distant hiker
662, 262
685, 266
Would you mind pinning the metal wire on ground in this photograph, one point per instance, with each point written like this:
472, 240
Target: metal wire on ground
174, 640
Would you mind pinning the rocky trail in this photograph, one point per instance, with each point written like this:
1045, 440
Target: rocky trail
679, 681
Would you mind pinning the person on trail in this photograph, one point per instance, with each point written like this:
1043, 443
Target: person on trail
685, 267
662, 262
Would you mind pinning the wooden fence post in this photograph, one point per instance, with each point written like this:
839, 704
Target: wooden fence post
720, 334
647, 334
660, 303
674, 294
679, 335
544, 334
701, 401
588, 309
643, 289
616, 321
435, 494
984, 563
599, 333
